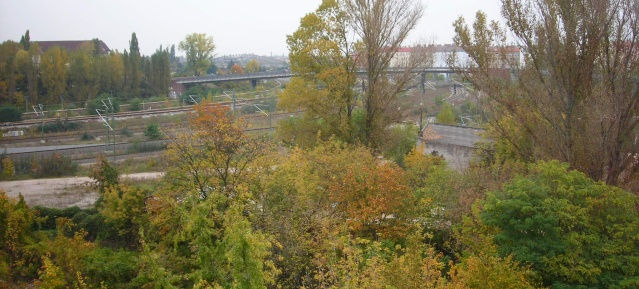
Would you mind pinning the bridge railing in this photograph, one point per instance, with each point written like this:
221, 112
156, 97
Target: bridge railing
286, 74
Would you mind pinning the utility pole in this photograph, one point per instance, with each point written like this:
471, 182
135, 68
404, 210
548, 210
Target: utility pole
113, 125
421, 116
234, 100
269, 115
40, 112
109, 124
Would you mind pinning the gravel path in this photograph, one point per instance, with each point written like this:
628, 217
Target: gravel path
62, 192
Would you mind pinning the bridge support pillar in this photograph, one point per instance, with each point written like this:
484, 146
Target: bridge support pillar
253, 83
423, 83
363, 85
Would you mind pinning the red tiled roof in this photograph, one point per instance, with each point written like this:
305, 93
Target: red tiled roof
71, 45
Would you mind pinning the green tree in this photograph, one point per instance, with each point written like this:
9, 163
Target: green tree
53, 73
82, 78
446, 115
134, 70
25, 40
63, 257
9, 74
322, 57
252, 66
199, 50
26, 64
160, 72
104, 174
124, 208
573, 231
574, 86
382, 27
19, 258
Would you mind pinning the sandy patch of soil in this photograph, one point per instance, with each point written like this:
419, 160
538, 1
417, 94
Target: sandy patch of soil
62, 192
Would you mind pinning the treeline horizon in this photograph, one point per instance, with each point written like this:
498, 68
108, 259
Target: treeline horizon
29, 76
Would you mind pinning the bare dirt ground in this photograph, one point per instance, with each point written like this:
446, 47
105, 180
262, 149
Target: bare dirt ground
63, 192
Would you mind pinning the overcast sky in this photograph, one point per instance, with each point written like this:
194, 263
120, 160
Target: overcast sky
237, 26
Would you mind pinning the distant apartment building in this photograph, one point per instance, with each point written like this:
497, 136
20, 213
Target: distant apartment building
441, 55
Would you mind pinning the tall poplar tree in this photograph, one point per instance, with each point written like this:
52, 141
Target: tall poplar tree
53, 73
135, 69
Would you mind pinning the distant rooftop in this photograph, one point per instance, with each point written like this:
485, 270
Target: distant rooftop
71, 45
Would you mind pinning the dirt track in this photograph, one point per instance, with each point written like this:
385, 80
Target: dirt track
62, 192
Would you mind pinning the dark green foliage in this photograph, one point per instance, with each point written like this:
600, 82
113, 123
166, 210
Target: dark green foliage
153, 131
86, 136
447, 115
135, 104
88, 220
49, 215
104, 173
400, 140
575, 232
10, 113
59, 126
115, 267
55, 165
142, 147
25, 40
19, 258
159, 74
126, 132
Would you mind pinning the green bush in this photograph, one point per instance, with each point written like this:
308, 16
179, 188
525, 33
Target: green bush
143, 147
400, 140
59, 126
10, 113
126, 132
447, 115
97, 103
49, 215
135, 104
575, 232
152, 131
116, 268
87, 136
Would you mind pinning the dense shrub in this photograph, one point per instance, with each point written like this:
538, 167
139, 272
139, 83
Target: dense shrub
10, 113
400, 140
55, 165
59, 126
135, 104
7, 169
143, 147
447, 115
86, 136
152, 131
126, 132
88, 220
49, 215
119, 267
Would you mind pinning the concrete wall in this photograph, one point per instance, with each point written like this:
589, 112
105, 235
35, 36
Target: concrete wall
458, 157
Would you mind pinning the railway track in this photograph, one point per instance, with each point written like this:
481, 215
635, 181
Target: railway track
73, 136
128, 114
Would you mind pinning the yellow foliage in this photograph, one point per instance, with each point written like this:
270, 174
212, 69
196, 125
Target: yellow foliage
489, 272
8, 169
